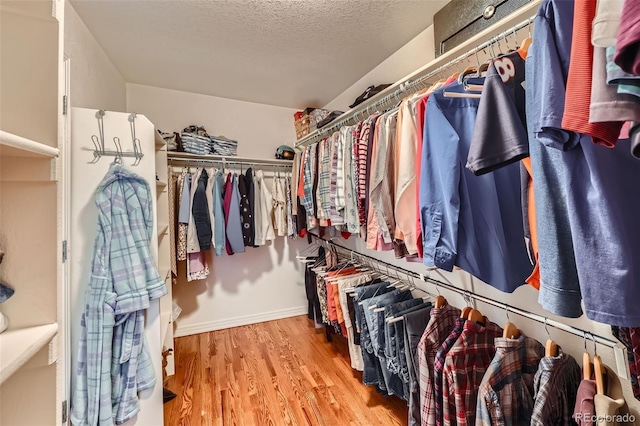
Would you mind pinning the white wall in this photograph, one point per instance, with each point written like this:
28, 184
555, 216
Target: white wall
413, 55
258, 128
95, 81
264, 283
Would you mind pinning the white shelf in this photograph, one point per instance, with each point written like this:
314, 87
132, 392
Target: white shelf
161, 183
173, 155
159, 140
18, 346
16, 146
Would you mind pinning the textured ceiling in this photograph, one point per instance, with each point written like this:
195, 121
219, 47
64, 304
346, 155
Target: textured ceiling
292, 53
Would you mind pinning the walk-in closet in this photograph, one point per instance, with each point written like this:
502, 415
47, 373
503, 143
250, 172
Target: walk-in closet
319, 212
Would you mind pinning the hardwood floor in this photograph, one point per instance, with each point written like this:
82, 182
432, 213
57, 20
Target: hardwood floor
274, 373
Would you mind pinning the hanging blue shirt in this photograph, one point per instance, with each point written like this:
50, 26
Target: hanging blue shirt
547, 66
474, 222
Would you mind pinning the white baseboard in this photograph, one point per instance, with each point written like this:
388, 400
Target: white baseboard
205, 327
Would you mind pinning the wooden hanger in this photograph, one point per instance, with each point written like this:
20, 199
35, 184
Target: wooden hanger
475, 316
586, 366
440, 301
598, 369
465, 312
526, 43
586, 361
510, 331
551, 348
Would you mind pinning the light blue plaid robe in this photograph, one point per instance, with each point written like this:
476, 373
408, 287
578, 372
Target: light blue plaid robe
113, 361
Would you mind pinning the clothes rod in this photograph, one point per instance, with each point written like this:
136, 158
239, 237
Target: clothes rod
407, 87
195, 162
468, 294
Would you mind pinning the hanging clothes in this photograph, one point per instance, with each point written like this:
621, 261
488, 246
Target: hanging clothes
246, 217
193, 243
219, 231
279, 206
555, 386
202, 212
174, 205
233, 227
251, 197
505, 395
113, 360
263, 211
184, 189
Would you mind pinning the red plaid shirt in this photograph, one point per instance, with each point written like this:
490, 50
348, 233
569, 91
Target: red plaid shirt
434, 410
464, 368
439, 327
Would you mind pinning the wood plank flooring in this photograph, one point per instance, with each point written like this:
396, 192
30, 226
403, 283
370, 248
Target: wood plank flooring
280, 372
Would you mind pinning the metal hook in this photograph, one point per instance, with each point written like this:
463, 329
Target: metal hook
584, 337
595, 346
515, 39
546, 328
506, 311
493, 52
118, 157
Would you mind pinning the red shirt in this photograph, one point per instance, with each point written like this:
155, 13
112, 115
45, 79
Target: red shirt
578, 95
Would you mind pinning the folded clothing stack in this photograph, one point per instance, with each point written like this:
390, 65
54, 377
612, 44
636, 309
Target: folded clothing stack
195, 144
172, 140
223, 146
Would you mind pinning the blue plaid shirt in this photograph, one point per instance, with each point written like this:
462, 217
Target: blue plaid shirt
113, 361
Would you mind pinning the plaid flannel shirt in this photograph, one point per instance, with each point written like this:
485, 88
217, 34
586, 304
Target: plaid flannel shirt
308, 176
439, 328
434, 408
505, 396
113, 360
324, 179
337, 178
630, 338
464, 368
555, 386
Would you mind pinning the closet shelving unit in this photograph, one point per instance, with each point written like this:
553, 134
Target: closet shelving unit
164, 261
32, 350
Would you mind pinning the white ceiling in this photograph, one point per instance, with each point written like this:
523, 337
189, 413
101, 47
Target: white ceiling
292, 53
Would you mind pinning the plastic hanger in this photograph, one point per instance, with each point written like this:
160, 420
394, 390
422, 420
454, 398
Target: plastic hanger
551, 347
510, 331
